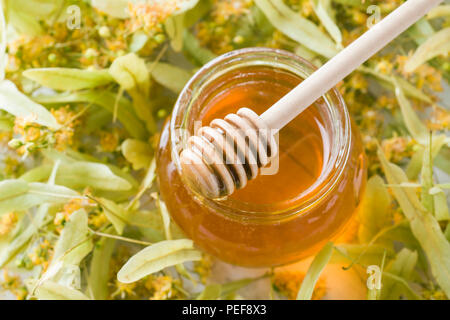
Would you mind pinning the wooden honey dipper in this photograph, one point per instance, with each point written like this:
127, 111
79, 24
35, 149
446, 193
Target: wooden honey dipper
225, 155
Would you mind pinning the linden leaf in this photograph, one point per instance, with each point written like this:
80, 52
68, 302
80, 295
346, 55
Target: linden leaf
157, 257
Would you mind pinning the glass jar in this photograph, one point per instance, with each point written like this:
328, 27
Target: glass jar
275, 219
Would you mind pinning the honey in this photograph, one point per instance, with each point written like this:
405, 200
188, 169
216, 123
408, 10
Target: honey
277, 218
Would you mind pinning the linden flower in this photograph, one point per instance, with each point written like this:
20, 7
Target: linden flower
14, 285
124, 289
223, 10
162, 287
7, 223
288, 283
109, 141
203, 267
151, 14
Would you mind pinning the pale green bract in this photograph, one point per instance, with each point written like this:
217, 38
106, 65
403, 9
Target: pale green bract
114, 213
19, 195
99, 268
16, 103
415, 126
81, 174
440, 11
296, 27
157, 257
68, 79
438, 44
50, 290
323, 10
374, 213
169, 76
131, 73
106, 100
314, 271
137, 152
402, 266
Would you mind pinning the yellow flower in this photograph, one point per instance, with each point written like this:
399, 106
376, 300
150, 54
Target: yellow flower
7, 223
109, 141
203, 267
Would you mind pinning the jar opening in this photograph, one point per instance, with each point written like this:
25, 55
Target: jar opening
239, 69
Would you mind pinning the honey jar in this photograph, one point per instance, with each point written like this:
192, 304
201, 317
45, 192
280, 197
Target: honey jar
305, 197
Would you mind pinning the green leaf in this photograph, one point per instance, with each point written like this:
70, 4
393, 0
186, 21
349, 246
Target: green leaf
407, 88
16, 103
69, 79
200, 55
169, 76
423, 224
374, 209
314, 271
415, 126
402, 266
436, 45
106, 100
50, 290
323, 10
18, 195
138, 153
296, 27
157, 257
80, 174
99, 268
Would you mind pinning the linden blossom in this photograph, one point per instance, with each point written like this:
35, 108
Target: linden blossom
199, 310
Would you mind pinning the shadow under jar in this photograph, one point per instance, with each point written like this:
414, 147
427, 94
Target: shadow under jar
278, 218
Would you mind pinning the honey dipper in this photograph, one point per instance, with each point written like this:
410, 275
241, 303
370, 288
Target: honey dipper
247, 140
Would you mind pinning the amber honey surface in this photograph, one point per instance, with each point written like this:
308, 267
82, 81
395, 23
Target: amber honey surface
230, 229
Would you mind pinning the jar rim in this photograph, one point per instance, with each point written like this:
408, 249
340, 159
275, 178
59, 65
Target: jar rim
191, 91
